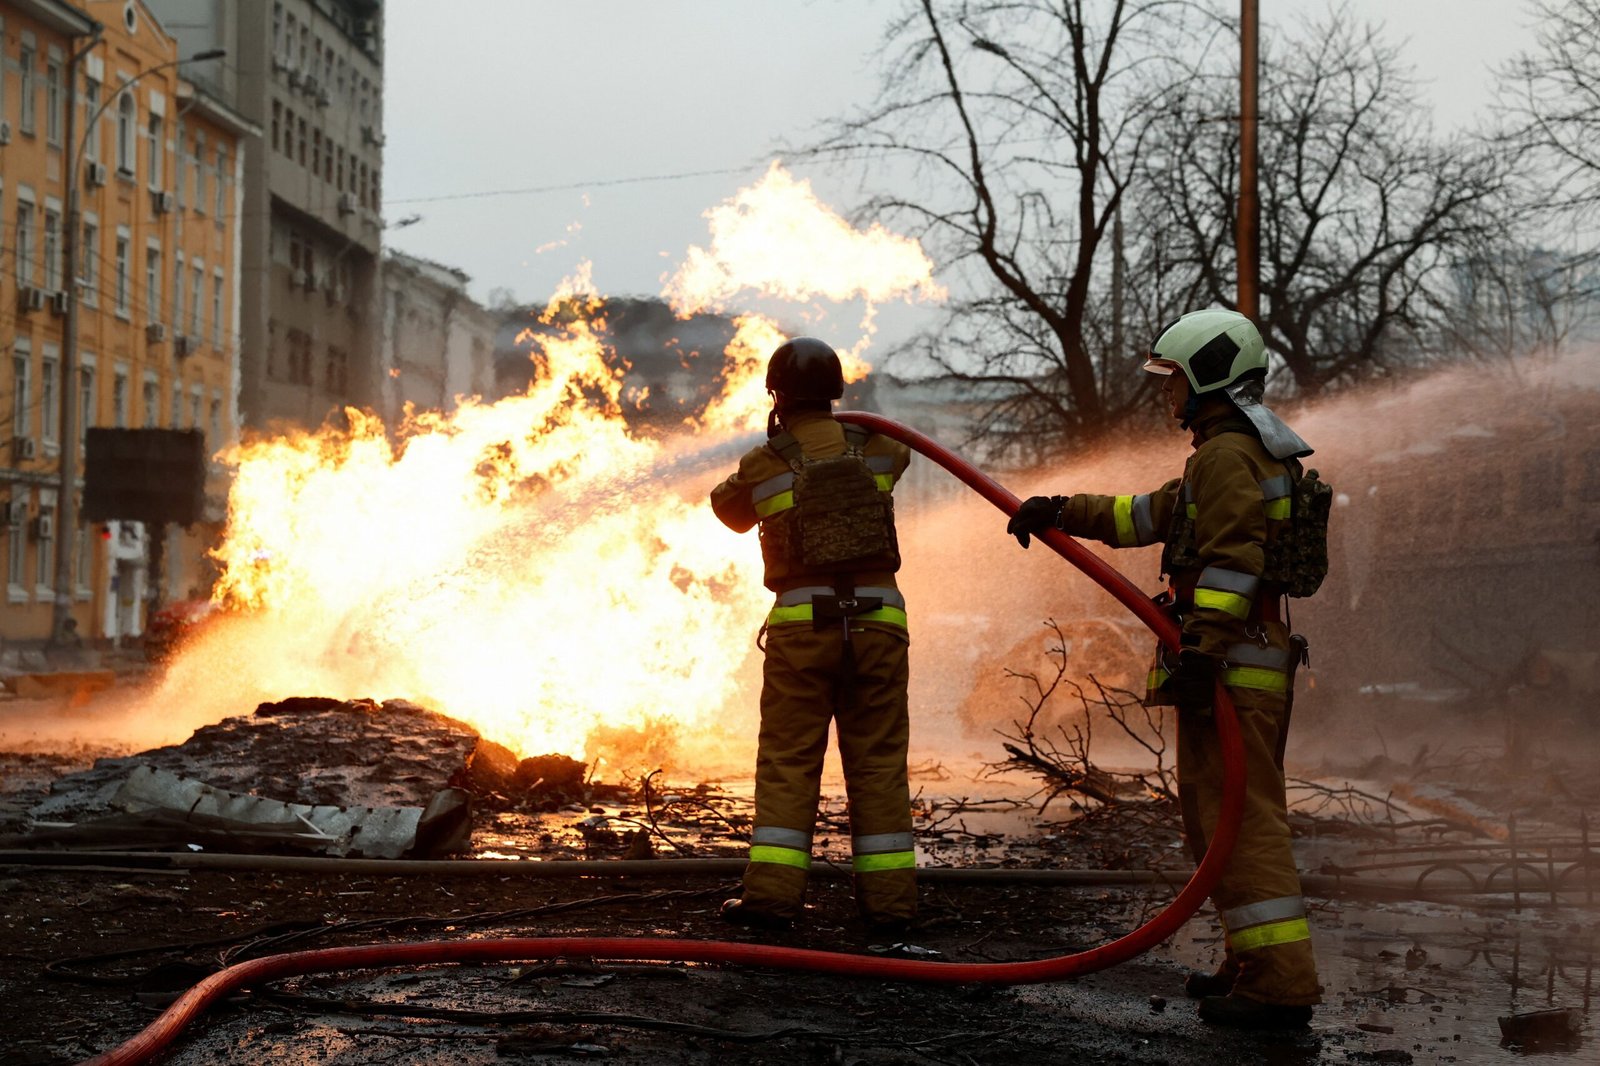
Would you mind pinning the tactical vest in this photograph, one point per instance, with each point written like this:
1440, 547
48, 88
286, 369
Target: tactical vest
1296, 551
838, 517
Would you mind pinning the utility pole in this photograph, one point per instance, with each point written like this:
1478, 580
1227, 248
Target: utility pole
1247, 226
67, 483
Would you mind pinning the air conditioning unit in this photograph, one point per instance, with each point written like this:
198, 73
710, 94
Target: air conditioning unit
155, 333
99, 173
58, 303
16, 512
182, 346
370, 135
347, 203
163, 202
294, 79
30, 299
5, 133
23, 448
324, 98
307, 282
309, 84
43, 527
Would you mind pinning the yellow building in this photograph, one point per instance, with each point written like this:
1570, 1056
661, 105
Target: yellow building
95, 90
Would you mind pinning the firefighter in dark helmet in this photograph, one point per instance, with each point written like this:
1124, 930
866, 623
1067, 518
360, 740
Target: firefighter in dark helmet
1225, 526
835, 639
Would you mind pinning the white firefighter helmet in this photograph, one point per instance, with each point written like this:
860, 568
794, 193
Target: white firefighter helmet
1214, 348
1217, 350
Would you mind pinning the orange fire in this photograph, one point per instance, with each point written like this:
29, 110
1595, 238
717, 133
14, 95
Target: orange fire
532, 565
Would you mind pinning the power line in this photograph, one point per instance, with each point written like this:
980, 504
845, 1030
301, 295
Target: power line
569, 186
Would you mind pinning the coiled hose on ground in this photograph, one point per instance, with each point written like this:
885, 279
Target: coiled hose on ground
160, 1033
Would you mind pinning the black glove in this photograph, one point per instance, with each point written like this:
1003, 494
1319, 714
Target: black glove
1194, 683
1037, 513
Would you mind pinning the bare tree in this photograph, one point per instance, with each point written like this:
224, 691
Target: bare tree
1363, 209
1551, 98
1025, 118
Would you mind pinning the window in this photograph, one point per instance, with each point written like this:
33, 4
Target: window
91, 263
119, 398
16, 545
91, 112
299, 357
126, 119
52, 250
277, 120
215, 439
338, 374
291, 43
277, 31
52, 100
361, 191
83, 563
157, 150
21, 391
200, 172
302, 123
180, 168
272, 349
49, 406
177, 291
121, 280
86, 411
221, 184
45, 558
152, 403
195, 400
197, 296
372, 189
216, 310
175, 412
27, 58
338, 182
152, 282
24, 250
316, 152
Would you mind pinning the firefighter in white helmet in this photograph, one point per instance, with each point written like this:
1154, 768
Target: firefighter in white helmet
1226, 530
836, 644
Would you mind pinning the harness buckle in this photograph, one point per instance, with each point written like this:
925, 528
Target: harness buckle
1257, 632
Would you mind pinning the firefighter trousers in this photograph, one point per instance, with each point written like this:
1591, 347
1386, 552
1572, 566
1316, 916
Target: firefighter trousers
1258, 898
803, 690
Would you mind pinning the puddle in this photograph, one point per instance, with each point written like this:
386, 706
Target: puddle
1438, 980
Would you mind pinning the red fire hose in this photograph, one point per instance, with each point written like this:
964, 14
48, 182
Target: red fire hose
161, 1032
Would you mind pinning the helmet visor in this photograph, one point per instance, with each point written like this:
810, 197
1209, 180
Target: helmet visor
1157, 365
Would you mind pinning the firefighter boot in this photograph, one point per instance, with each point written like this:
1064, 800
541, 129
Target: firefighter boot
1242, 1012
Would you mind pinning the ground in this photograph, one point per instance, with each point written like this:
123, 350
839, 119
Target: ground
1382, 1007
1405, 982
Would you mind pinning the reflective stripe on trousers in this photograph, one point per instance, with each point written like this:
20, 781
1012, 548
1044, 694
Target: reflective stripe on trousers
780, 846
1266, 924
883, 851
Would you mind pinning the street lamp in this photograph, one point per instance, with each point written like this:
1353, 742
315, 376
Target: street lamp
67, 483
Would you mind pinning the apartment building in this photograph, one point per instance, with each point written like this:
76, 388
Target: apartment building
438, 344
310, 74
93, 97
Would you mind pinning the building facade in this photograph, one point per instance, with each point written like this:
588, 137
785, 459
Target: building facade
438, 344
93, 98
310, 74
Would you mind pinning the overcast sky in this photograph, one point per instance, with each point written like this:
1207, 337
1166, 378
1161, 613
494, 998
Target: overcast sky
579, 100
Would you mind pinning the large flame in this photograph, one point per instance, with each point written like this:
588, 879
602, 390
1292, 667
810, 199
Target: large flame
531, 565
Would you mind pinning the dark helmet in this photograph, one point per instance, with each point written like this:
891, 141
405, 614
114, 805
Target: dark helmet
805, 369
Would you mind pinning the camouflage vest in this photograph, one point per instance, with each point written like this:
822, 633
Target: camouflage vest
840, 520
1296, 556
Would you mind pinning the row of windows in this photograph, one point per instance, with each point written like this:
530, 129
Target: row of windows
295, 364
132, 135
188, 407
297, 49
326, 158
44, 535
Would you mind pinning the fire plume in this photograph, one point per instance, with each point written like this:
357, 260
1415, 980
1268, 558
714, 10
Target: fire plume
532, 565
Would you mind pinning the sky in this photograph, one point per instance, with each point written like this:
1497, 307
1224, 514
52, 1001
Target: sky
620, 122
